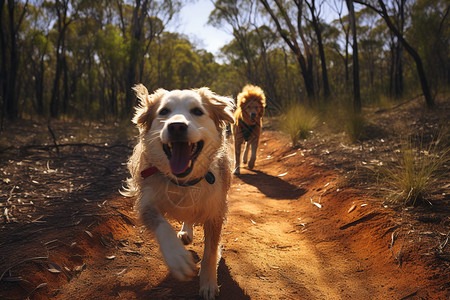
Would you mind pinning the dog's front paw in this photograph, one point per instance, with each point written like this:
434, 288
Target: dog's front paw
209, 290
179, 261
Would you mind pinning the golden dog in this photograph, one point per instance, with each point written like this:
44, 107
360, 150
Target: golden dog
250, 110
180, 168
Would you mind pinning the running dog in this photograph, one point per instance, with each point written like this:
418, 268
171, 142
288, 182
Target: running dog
250, 110
181, 168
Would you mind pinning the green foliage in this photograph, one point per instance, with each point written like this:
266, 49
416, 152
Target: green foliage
102, 49
298, 122
412, 177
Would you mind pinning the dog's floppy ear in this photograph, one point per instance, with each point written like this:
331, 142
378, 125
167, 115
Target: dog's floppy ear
220, 108
145, 110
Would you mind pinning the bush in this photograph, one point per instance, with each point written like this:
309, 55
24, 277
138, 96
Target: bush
298, 122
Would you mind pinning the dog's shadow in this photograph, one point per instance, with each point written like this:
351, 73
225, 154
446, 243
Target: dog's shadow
171, 288
272, 186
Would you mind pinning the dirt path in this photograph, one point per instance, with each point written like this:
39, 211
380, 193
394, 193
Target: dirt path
289, 235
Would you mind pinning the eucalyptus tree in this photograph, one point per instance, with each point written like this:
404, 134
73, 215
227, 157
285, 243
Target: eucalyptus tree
315, 11
356, 86
285, 16
140, 24
11, 21
381, 9
239, 15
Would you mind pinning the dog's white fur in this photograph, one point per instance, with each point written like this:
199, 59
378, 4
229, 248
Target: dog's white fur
158, 195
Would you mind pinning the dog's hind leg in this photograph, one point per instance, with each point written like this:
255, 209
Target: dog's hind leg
186, 234
245, 157
208, 272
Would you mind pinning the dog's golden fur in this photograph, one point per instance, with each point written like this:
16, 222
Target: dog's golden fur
169, 121
251, 103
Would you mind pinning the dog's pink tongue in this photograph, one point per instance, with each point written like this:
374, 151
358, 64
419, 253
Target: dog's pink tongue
181, 155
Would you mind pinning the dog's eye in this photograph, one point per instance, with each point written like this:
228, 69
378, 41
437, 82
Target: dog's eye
164, 112
197, 112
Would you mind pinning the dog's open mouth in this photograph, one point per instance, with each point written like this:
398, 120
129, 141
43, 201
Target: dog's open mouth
182, 156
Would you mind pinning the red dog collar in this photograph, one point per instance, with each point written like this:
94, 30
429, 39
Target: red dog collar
149, 172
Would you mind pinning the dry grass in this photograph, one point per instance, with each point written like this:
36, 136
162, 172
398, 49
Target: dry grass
355, 125
417, 169
298, 122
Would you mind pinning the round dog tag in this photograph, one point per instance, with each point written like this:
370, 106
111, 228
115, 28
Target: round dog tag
210, 177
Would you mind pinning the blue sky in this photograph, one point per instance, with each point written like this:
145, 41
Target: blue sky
193, 18
192, 22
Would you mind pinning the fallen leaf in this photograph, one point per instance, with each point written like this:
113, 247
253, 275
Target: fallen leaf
80, 268
253, 222
41, 286
110, 257
88, 233
283, 174
54, 268
317, 204
352, 208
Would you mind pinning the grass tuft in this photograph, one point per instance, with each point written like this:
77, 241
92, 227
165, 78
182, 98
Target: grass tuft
412, 177
355, 125
298, 122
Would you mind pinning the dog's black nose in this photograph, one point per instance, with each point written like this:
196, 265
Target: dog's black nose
253, 115
178, 130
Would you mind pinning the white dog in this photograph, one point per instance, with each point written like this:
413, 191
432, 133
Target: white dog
181, 168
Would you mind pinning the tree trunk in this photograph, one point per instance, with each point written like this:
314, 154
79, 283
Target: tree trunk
60, 53
54, 99
66, 94
11, 103
398, 71
135, 55
356, 87
305, 65
391, 69
3, 72
318, 32
40, 87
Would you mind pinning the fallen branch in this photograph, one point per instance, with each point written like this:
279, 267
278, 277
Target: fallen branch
54, 138
48, 147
